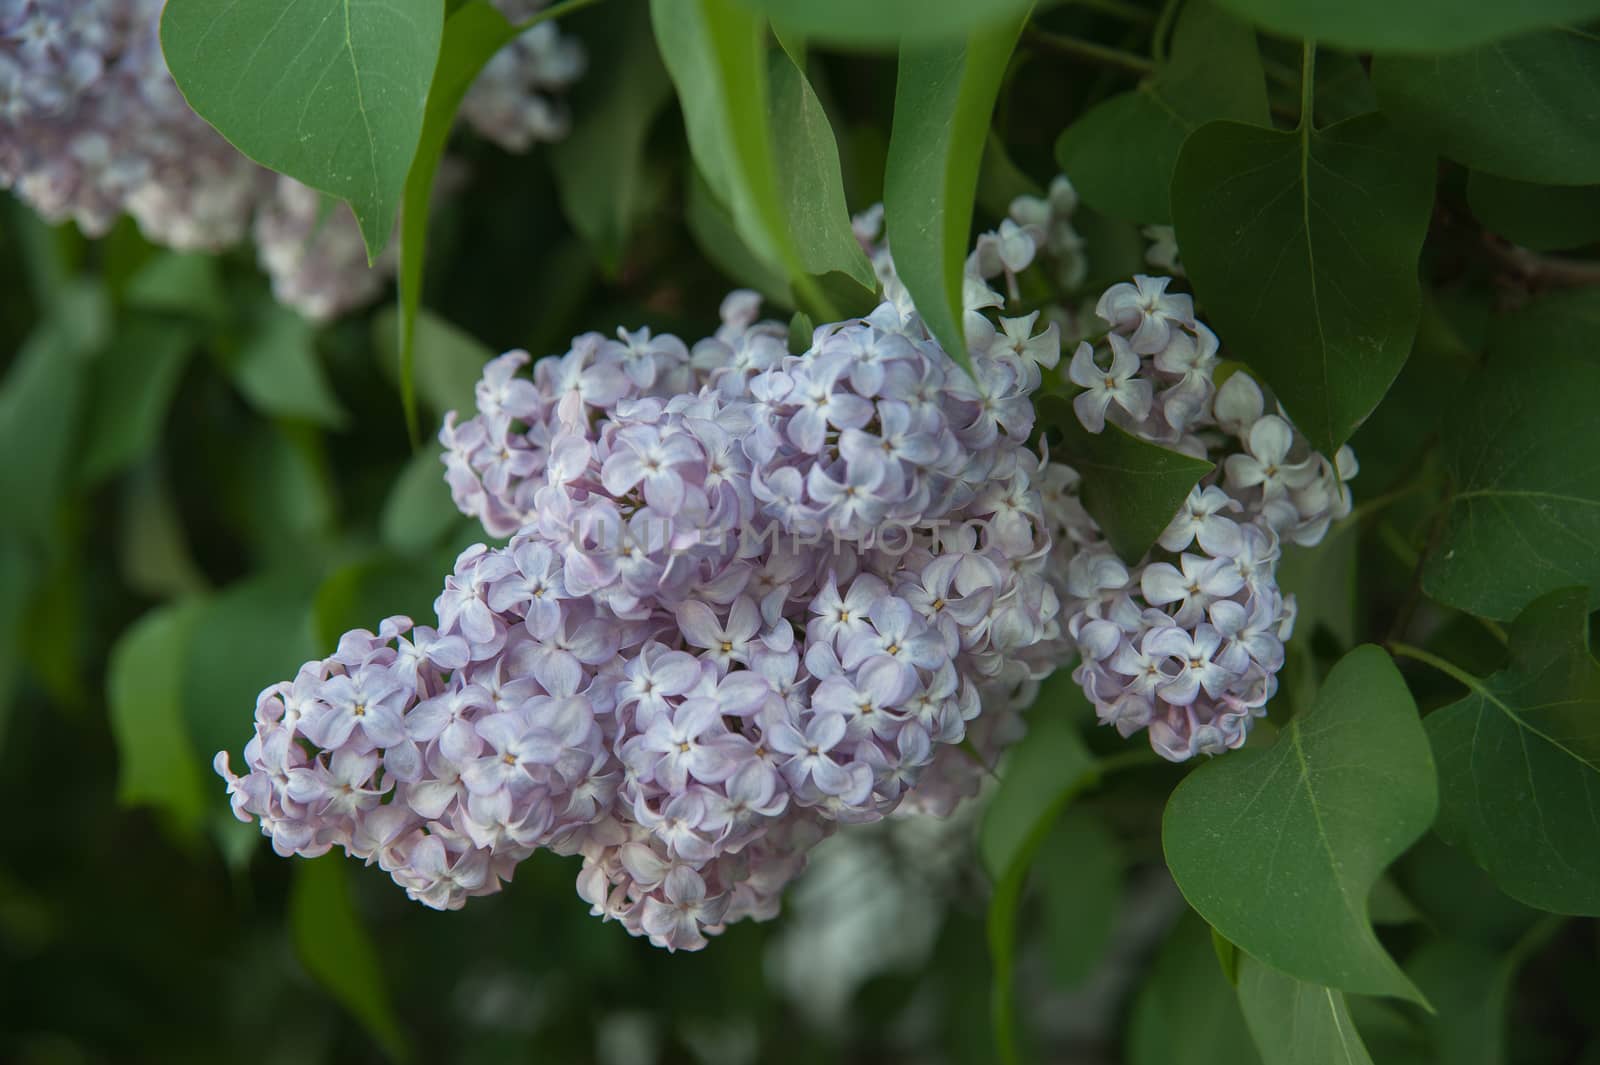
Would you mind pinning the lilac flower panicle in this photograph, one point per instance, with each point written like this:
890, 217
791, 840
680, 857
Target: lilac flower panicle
749, 595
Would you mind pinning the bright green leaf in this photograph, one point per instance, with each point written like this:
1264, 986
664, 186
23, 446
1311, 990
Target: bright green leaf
1525, 517
1186, 1013
809, 180
1413, 26
158, 764
715, 51
278, 370
1523, 108
1041, 776
944, 97
331, 94
1120, 154
1132, 488
1303, 248
471, 37
1519, 763
1077, 873
337, 951
887, 22
1297, 1023
1279, 848
600, 164
1540, 217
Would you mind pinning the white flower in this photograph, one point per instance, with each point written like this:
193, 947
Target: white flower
1118, 383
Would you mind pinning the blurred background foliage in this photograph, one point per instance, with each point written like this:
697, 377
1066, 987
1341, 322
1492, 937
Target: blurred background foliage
198, 491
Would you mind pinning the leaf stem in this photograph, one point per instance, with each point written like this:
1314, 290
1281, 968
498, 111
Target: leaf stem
1308, 86
1163, 30
1455, 673
566, 7
1090, 50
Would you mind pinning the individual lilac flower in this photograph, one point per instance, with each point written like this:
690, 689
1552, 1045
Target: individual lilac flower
1266, 462
1119, 383
1202, 518
723, 645
811, 760
1200, 665
676, 919
1202, 582
840, 618
1146, 308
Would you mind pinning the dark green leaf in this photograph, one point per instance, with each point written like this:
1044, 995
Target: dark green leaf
1467, 985
331, 94
1413, 26
131, 392
1303, 249
153, 549
471, 37
1000, 180
448, 362
1519, 763
278, 370
809, 180
943, 99
1323, 581
1131, 487
713, 231
1041, 776
251, 635
16, 587
1279, 848
599, 165
1120, 155
361, 594
1522, 108
1540, 217
1519, 446
889, 21
144, 700
1297, 1023
335, 949
800, 331
1186, 1014
1078, 875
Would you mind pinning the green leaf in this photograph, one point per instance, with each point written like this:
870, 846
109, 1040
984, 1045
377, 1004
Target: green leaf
1279, 848
1519, 763
801, 330
252, 634
1541, 217
1525, 516
449, 361
418, 512
152, 549
1521, 108
600, 164
17, 579
362, 593
1186, 1013
1078, 875
1303, 248
1468, 985
1132, 488
809, 180
1297, 1023
1121, 153
1323, 581
886, 22
337, 951
715, 52
278, 370
713, 231
144, 699
1041, 776
943, 99
471, 37
1413, 26
186, 283
131, 393
331, 94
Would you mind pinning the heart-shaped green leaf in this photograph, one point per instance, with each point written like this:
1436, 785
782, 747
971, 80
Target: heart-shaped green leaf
1297, 1023
1303, 249
1519, 762
1279, 848
330, 93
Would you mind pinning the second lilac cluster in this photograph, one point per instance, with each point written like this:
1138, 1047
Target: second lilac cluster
1187, 644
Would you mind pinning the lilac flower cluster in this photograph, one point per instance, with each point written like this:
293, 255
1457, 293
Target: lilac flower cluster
92, 127
748, 595
1187, 644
